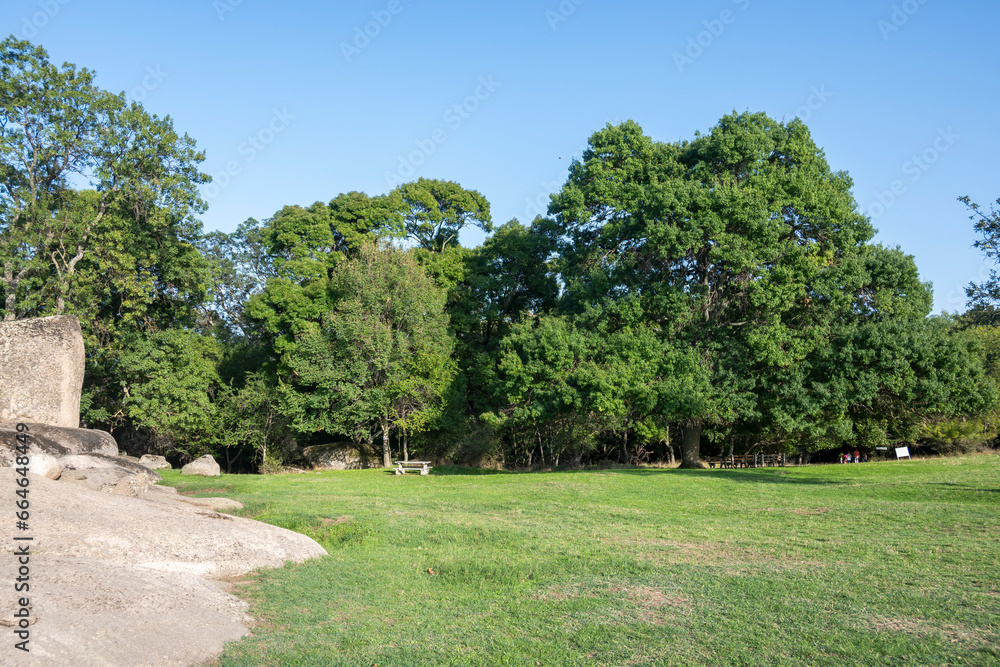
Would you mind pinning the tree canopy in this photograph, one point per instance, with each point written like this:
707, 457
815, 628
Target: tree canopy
78, 164
381, 357
725, 288
741, 244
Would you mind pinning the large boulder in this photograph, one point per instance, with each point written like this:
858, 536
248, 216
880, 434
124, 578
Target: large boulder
41, 370
59, 441
206, 465
337, 456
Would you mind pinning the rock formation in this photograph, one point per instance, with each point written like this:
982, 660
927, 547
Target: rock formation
122, 565
338, 456
123, 581
62, 441
41, 371
100, 472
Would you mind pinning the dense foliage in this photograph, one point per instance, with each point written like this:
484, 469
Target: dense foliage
721, 293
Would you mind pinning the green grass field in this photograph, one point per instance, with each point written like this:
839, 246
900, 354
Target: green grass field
868, 564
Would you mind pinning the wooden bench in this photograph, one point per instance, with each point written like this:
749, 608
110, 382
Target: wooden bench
402, 467
773, 460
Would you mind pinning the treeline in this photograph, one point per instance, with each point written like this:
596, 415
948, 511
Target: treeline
716, 295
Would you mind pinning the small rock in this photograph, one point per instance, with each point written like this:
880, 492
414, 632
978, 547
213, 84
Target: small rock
45, 465
134, 486
39, 462
154, 462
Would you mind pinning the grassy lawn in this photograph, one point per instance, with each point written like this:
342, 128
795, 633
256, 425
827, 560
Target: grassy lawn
868, 564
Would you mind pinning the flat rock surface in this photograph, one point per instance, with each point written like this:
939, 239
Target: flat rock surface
71, 520
99, 471
168, 494
94, 613
122, 581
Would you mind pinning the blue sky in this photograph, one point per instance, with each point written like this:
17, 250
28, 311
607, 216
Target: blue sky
295, 103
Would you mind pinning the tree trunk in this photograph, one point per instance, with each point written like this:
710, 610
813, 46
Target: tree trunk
386, 453
691, 444
406, 447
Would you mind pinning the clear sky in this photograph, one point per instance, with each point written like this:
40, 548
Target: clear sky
298, 102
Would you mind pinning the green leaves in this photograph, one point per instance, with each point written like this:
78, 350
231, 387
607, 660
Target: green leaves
169, 379
743, 248
55, 242
434, 212
382, 350
984, 298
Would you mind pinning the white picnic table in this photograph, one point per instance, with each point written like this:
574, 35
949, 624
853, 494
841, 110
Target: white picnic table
402, 467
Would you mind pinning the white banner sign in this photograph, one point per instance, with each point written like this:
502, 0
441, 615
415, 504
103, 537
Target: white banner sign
903, 451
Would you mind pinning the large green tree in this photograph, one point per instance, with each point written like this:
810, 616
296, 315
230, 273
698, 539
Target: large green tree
304, 247
434, 212
741, 245
506, 281
380, 357
240, 268
564, 384
98, 219
170, 382
59, 131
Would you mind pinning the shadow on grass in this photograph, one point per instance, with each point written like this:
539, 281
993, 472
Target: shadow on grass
954, 486
746, 475
462, 470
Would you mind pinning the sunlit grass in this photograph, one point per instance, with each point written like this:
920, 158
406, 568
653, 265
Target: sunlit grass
879, 563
